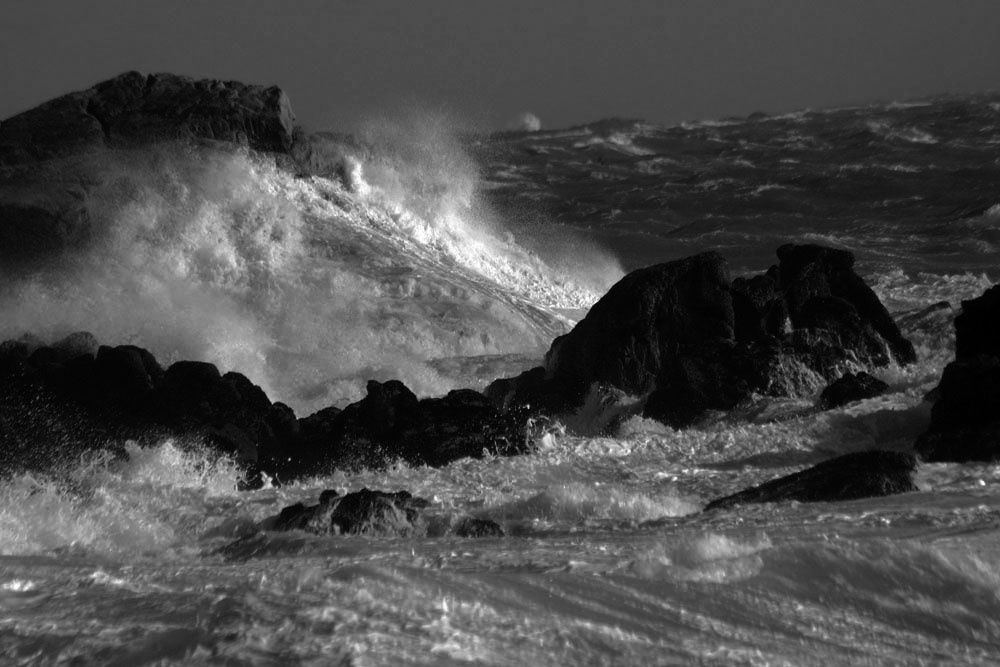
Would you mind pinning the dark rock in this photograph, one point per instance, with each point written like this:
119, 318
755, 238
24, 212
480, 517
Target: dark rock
965, 419
137, 108
689, 340
77, 344
626, 335
363, 512
848, 477
473, 527
390, 423
977, 327
849, 388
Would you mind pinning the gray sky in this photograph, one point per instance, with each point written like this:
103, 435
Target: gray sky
568, 62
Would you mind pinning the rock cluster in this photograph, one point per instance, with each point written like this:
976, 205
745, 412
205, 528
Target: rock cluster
691, 340
76, 394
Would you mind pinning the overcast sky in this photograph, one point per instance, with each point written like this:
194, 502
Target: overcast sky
566, 61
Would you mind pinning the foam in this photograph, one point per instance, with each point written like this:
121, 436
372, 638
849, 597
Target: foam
153, 501
310, 287
707, 557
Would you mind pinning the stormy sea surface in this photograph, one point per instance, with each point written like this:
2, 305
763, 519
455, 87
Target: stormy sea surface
447, 260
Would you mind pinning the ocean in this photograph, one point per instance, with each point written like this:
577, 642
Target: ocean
447, 259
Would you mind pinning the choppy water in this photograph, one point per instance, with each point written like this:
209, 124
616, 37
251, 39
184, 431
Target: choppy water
447, 264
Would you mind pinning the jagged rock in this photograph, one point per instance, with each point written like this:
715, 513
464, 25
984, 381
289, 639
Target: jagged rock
851, 387
822, 291
473, 527
689, 340
848, 477
391, 423
362, 512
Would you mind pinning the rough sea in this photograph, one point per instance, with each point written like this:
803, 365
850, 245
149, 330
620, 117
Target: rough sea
446, 260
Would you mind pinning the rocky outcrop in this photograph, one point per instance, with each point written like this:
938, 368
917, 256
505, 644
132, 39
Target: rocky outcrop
76, 395
690, 340
965, 419
138, 108
390, 423
851, 387
848, 477
977, 327
53, 158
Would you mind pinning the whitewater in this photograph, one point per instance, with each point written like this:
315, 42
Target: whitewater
447, 260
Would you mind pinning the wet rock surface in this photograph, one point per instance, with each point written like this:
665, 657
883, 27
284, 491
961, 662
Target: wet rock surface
75, 399
691, 340
363, 512
848, 477
849, 388
965, 419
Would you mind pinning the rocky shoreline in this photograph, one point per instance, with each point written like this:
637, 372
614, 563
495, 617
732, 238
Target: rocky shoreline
672, 342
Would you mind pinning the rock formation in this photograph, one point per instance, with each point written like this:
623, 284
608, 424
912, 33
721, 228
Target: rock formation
691, 340
965, 419
851, 387
848, 477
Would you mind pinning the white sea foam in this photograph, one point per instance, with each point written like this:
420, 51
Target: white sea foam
153, 501
308, 286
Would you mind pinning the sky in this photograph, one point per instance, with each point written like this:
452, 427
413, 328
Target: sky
343, 62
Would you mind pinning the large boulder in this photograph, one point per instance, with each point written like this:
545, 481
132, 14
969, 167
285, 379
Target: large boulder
848, 477
689, 340
977, 327
139, 108
965, 419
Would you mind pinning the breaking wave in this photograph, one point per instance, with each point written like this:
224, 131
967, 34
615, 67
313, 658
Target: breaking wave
309, 286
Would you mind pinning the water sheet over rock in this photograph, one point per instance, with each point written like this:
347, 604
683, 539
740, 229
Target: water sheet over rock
849, 477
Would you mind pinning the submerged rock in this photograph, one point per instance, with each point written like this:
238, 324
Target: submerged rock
851, 387
690, 340
848, 477
363, 512
965, 419
474, 527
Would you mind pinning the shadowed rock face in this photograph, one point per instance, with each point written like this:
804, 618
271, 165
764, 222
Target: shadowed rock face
849, 477
137, 108
965, 419
977, 328
75, 395
849, 388
691, 340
